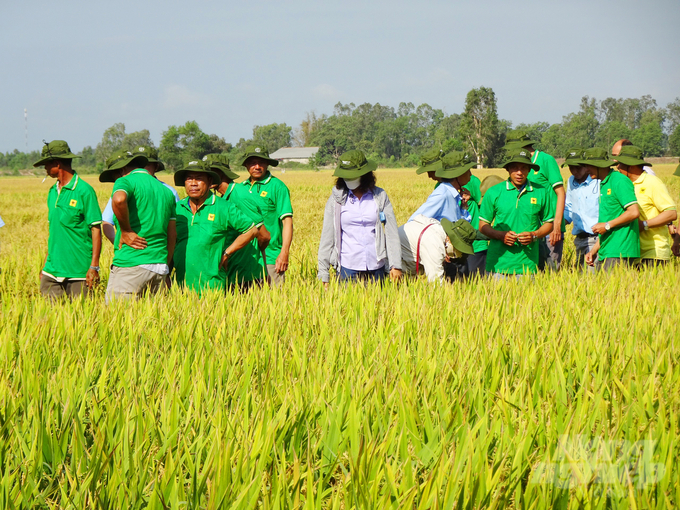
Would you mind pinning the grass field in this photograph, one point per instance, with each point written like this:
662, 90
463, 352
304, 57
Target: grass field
562, 392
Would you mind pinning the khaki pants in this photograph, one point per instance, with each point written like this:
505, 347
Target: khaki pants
51, 288
275, 279
132, 283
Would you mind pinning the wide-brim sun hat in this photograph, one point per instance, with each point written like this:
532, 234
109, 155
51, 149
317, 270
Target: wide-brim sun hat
197, 167
631, 155
518, 138
597, 157
56, 149
258, 151
573, 158
454, 165
151, 155
353, 164
430, 161
519, 155
118, 160
461, 234
220, 162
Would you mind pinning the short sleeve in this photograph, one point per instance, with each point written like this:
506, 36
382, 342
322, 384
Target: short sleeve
237, 220
283, 205
625, 191
660, 196
549, 205
487, 212
123, 184
553, 172
91, 211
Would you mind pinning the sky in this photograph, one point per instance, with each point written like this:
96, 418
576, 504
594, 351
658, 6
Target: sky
79, 67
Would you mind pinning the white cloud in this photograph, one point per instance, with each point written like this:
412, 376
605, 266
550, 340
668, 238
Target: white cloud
177, 96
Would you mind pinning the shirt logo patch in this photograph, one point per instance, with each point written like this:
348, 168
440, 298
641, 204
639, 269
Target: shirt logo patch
609, 191
211, 217
263, 194
73, 202
533, 200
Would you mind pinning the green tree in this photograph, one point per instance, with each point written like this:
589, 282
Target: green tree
650, 138
610, 132
673, 115
112, 140
674, 142
273, 136
479, 123
181, 144
136, 139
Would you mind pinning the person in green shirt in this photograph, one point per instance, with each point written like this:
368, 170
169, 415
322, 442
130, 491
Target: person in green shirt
209, 230
619, 235
264, 194
144, 212
515, 214
75, 238
549, 176
245, 267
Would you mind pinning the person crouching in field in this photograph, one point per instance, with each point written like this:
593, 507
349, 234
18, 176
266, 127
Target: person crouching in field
521, 213
427, 245
581, 207
359, 236
245, 267
145, 213
263, 194
204, 224
75, 238
619, 238
657, 208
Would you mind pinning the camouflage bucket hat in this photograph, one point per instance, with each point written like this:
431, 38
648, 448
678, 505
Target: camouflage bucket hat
353, 164
221, 163
430, 161
151, 155
199, 167
518, 138
118, 160
56, 149
519, 155
454, 165
489, 182
461, 234
631, 155
258, 151
573, 158
597, 157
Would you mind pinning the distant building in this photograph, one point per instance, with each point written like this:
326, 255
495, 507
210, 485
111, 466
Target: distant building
297, 154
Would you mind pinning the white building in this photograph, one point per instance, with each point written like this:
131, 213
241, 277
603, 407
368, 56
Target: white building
297, 154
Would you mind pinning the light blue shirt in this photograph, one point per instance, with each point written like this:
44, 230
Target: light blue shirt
443, 202
107, 214
2, 223
582, 205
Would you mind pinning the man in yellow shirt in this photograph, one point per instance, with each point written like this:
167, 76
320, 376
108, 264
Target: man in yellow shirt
657, 209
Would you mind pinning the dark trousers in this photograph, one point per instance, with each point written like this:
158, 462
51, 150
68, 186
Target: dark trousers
476, 264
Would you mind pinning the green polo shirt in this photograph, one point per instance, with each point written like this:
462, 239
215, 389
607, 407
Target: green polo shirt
475, 189
617, 193
270, 199
151, 206
72, 212
507, 208
201, 240
548, 175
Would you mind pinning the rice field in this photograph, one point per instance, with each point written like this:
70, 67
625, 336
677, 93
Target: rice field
557, 393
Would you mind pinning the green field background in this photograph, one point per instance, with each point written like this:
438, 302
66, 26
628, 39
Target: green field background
562, 392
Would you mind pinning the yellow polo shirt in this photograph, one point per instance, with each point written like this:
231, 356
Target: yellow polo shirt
653, 198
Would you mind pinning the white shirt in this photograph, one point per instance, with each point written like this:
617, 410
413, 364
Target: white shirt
432, 247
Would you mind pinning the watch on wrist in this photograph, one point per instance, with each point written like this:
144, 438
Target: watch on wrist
607, 226
644, 224
96, 268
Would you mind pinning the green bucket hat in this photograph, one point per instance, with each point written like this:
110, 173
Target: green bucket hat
461, 234
597, 157
353, 164
573, 158
258, 151
151, 155
120, 159
56, 149
519, 155
631, 155
430, 161
221, 163
454, 165
196, 166
677, 171
489, 182
518, 138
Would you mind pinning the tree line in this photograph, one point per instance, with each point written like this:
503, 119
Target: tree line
396, 137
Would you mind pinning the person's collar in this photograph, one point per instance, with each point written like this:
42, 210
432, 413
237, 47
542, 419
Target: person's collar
640, 178
265, 179
585, 182
72, 183
209, 200
609, 173
509, 185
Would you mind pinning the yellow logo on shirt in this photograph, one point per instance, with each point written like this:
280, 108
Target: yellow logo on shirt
73, 202
211, 217
533, 200
609, 191
263, 194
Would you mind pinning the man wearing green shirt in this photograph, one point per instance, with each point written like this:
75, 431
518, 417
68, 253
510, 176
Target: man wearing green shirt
619, 235
209, 230
521, 213
547, 175
75, 239
263, 194
145, 240
245, 267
